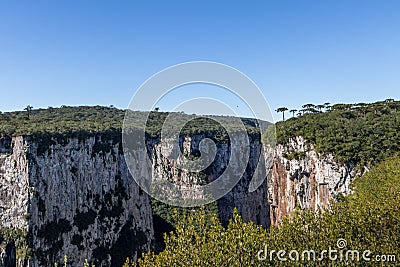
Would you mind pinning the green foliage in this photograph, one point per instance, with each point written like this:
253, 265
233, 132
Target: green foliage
364, 134
60, 120
83, 120
19, 238
269, 137
173, 214
167, 217
200, 240
368, 220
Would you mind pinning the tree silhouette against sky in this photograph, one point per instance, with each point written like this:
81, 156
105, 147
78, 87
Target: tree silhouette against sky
282, 109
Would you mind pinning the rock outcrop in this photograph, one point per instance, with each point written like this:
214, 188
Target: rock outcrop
305, 179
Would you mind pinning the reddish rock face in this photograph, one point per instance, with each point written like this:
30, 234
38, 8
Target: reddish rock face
290, 193
309, 182
279, 205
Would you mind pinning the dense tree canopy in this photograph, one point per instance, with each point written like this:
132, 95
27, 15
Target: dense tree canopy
364, 134
86, 119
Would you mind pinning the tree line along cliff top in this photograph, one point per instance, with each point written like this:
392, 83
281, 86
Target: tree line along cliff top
363, 134
81, 120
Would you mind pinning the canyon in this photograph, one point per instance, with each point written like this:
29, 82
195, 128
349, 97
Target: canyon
74, 195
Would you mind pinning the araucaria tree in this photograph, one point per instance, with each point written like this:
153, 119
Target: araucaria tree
282, 109
293, 111
29, 110
320, 107
308, 106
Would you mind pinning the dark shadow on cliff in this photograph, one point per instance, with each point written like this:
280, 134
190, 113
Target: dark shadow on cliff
161, 226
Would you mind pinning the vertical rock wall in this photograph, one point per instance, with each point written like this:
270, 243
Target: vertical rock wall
14, 185
252, 206
75, 197
309, 181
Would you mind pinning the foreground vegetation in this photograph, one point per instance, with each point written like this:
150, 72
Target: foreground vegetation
368, 220
15, 237
167, 217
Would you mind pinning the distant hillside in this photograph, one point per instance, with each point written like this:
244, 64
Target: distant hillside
60, 120
364, 134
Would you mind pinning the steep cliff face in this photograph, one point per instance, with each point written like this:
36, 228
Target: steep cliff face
303, 178
75, 197
14, 185
252, 206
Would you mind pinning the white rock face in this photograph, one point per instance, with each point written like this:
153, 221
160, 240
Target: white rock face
251, 205
14, 186
310, 181
76, 197
81, 200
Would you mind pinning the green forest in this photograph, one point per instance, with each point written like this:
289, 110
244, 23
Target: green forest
364, 134
90, 120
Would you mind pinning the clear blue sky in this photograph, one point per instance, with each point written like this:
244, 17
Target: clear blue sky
97, 52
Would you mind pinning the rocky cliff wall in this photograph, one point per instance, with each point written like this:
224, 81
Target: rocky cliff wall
14, 185
252, 206
299, 177
75, 197
303, 178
